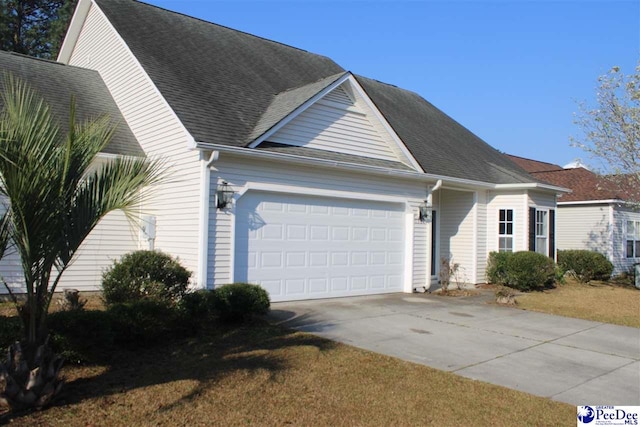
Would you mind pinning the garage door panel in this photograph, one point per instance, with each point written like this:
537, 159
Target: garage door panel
301, 247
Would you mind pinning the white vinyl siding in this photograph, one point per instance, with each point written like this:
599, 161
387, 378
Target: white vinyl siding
175, 203
113, 237
420, 251
457, 240
335, 123
242, 172
584, 227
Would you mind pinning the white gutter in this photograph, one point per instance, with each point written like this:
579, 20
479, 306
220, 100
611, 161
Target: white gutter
377, 170
592, 202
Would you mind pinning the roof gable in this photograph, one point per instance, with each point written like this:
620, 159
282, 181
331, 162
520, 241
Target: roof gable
58, 83
340, 118
218, 81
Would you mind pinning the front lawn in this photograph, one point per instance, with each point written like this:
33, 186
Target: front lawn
599, 301
266, 375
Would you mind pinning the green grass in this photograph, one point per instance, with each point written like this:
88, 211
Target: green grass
266, 375
599, 301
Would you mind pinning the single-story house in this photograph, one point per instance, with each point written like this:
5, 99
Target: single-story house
291, 172
600, 214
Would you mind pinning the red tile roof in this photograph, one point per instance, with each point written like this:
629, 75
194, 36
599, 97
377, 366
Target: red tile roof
585, 185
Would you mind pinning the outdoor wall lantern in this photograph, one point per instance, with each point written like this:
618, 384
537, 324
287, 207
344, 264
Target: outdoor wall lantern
225, 195
425, 211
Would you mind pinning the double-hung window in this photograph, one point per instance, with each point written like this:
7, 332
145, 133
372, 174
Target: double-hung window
633, 239
505, 230
542, 232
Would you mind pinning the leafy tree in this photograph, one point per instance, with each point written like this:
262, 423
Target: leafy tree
34, 27
611, 129
54, 194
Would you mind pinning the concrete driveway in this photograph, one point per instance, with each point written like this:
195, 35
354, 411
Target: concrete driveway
570, 360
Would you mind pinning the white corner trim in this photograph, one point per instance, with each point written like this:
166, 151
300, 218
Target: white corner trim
299, 110
75, 27
612, 243
191, 142
385, 124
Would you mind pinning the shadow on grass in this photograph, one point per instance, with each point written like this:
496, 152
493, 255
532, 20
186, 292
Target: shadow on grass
216, 351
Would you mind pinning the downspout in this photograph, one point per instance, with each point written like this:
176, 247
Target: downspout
203, 238
429, 202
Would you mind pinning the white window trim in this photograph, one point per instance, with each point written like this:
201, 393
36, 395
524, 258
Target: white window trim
513, 226
546, 230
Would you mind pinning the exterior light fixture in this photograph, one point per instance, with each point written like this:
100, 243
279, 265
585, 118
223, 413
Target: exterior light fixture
425, 211
224, 195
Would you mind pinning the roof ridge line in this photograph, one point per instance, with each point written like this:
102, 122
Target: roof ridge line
229, 28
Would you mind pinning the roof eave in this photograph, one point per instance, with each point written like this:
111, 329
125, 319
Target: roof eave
595, 202
533, 186
377, 170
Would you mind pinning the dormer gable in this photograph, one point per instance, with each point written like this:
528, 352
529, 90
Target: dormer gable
341, 119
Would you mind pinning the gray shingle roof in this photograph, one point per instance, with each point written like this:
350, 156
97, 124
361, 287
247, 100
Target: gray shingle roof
219, 81
441, 145
228, 87
56, 83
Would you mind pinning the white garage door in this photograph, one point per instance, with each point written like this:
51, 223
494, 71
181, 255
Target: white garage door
303, 247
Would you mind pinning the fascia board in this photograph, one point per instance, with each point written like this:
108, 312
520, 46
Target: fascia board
533, 186
592, 202
75, 26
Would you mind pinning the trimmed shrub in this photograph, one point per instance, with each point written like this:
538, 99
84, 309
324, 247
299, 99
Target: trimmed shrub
143, 275
145, 322
82, 335
197, 306
585, 265
528, 271
240, 301
497, 267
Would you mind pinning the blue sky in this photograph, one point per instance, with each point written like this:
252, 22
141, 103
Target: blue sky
509, 71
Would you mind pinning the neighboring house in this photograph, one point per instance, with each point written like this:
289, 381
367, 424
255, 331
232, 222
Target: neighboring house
327, 172
600, 214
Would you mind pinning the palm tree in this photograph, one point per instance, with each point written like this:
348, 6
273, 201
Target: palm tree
54, 194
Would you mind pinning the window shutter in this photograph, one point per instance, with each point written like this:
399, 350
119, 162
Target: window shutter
552, 234
532, 229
